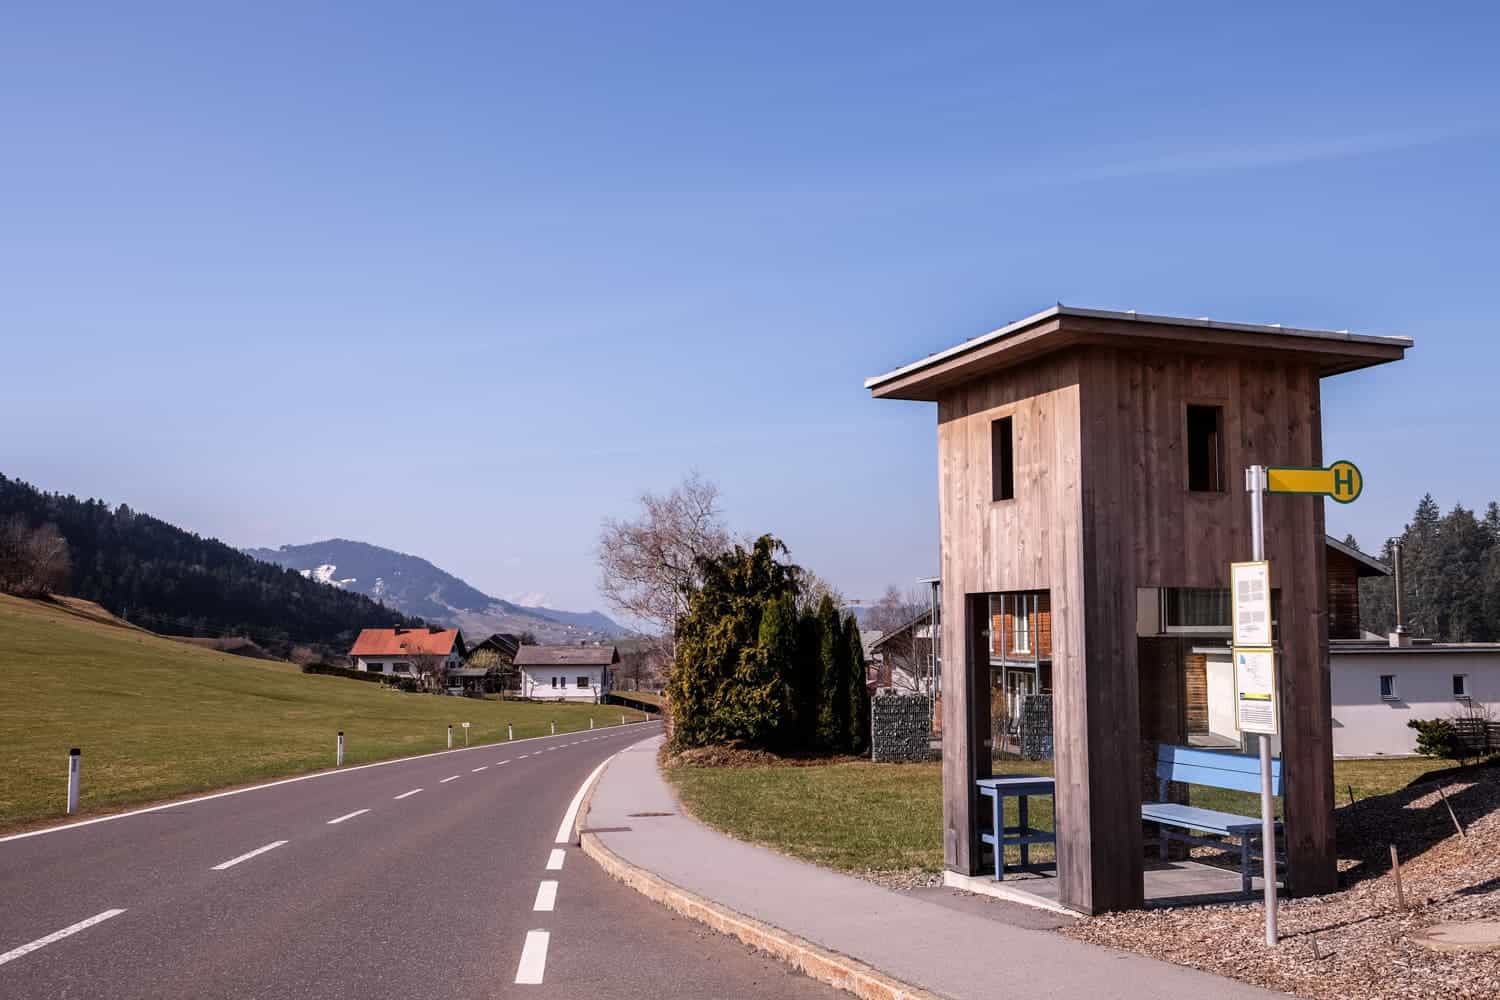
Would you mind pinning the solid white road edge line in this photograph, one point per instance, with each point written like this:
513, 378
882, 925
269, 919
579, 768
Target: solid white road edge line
546, 896
451, 777
179, 803
248, 855
533, 959
565, 830
555, 859
406, 795
68, 931
340, 819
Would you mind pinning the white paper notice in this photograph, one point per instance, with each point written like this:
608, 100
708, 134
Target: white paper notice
1255, 690
1250, 586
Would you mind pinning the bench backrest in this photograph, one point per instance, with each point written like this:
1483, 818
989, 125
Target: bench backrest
1213, 768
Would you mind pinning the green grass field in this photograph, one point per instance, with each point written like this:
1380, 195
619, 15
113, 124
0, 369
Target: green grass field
157, 718
858, 816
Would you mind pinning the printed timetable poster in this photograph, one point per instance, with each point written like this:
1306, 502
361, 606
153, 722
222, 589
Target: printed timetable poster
1255, 690
1250, 592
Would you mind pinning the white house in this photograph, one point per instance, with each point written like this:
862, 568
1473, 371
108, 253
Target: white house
1378, 688
566, 673
407, 652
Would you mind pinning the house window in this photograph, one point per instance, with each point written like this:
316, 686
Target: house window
1025, 604
375, 668
583, 682
1388, 687
554, 680
1205, 449
401, 668
1196, 610
1002, 459
1461, 687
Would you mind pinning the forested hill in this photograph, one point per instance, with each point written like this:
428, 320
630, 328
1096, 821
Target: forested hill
174, 582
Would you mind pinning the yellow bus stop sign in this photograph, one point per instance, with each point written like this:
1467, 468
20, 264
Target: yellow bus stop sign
1342, 481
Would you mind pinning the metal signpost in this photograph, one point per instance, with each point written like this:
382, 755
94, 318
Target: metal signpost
1256, 693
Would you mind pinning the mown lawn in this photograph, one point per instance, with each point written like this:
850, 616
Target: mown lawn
157, 718
858, 816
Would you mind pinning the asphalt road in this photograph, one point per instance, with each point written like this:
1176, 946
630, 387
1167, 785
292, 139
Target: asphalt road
359, 885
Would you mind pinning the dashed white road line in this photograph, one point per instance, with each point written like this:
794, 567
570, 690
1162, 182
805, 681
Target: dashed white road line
451, 777
340, 819
523, 756
68, 931
499, 762
555, 859
533, 964
546, 896
481, 767
406, 795
248, 855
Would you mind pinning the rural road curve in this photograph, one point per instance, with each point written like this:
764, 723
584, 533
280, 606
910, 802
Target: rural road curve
432, 877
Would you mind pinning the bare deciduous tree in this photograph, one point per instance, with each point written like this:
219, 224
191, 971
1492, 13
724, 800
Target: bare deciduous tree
811, 590
33, 561
648, 566
904, 655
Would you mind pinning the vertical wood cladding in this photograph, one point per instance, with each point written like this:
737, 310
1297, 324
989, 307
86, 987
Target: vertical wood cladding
1343, 596
1102, 507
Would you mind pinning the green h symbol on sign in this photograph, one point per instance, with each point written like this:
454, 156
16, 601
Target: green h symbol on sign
1343, 480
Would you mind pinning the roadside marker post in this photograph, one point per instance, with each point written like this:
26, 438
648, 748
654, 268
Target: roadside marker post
554, 729
591, 722
466, 734
340, 760
510, 731
75, 765
450, 736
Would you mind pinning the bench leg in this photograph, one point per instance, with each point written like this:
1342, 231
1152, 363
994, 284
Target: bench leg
1025, 831
997, 804
1245, 841
1163, 843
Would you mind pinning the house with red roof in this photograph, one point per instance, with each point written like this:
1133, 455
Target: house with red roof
407, 652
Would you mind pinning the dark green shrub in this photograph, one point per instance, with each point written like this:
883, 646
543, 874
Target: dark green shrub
1437, 738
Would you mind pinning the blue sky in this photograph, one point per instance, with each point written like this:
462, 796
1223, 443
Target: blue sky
463, 280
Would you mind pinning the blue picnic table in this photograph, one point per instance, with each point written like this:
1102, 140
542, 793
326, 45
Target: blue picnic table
1020, 787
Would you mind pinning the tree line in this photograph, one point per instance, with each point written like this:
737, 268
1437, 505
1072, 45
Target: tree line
172, 581
765, 661
1450, 569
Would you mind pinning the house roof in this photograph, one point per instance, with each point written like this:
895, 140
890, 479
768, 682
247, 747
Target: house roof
907, 626
1330, 351
566, 656
1368, 565
406, 642
503, 642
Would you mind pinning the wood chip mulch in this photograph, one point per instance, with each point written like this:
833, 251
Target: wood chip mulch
1355, 944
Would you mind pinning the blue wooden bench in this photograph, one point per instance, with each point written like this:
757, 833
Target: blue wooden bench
1213, 769
1021, 788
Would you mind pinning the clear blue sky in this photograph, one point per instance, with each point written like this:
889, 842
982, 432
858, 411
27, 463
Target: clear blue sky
462, 280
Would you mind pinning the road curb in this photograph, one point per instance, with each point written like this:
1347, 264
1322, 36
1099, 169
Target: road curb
812, 960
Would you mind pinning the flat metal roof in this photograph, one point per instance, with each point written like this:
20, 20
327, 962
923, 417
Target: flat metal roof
1201, 323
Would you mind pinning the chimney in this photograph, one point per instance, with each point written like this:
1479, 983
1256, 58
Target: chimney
1398, 638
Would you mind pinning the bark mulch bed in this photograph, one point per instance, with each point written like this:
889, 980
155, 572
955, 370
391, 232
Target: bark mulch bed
1356, 944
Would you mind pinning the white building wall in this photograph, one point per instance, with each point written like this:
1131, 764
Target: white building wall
537, 682
1365, 725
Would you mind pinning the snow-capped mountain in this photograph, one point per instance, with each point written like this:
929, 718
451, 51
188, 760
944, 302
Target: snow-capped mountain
414, 586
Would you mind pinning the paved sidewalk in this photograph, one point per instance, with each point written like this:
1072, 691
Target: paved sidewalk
949, 950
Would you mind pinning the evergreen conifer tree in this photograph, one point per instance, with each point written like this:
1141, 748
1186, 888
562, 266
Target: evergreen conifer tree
859, 691
833, 661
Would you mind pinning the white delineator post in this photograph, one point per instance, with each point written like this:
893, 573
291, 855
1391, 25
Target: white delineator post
1255, 483
591, 722
75, 763
510, 731
554, 729
450, 737
339, 762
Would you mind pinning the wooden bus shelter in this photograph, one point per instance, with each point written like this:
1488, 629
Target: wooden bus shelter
1094, 461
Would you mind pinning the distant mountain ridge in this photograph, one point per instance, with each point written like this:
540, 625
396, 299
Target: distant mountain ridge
168, 580
414, 586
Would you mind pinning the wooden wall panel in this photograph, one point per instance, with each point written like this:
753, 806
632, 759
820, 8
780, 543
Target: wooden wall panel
1195, 692
1343, 596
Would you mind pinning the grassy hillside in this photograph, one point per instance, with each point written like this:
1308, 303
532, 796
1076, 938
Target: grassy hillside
157, 718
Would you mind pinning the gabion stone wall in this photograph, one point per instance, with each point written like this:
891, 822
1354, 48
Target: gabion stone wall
901, 728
